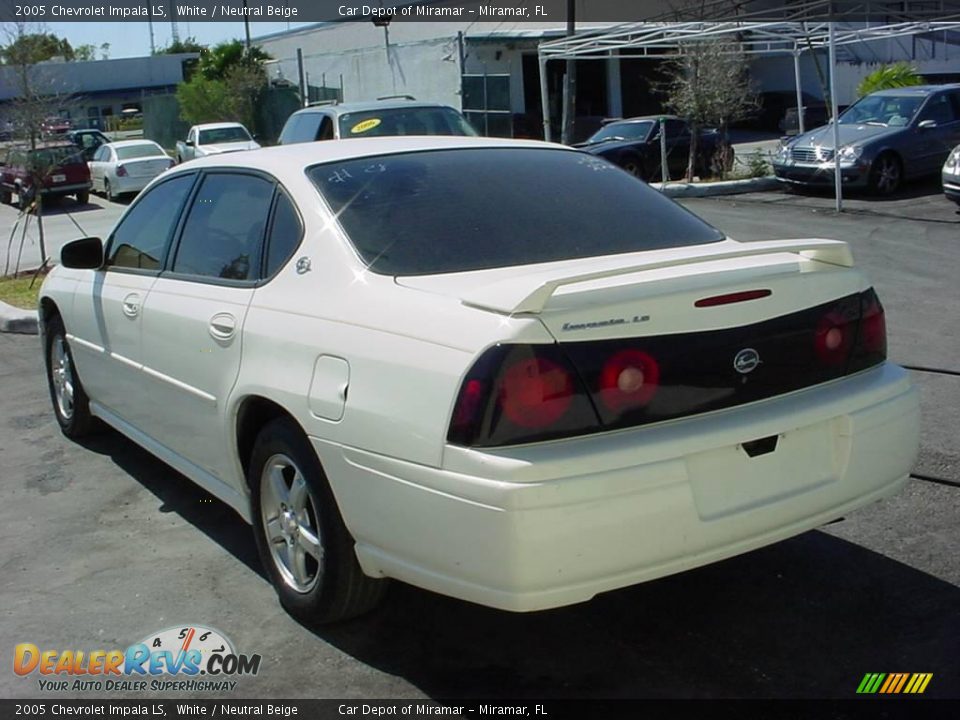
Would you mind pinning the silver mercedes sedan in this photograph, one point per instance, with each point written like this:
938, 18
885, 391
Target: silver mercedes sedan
886, 137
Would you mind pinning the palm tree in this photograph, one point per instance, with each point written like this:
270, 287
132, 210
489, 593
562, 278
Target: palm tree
899, 74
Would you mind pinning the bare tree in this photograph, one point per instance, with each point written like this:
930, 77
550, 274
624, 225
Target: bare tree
709, 84
37, 98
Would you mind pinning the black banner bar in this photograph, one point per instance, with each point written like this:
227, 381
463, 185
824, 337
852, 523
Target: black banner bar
872, 708
883, 11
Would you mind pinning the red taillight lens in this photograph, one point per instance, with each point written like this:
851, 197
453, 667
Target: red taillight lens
834, 337
629, 379
520, 393
121, 171
873, 326
535, 392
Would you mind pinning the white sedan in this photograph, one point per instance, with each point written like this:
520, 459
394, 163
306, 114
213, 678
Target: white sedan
127, 166
411, 358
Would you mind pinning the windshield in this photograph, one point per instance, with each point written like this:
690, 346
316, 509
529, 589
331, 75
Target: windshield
623, 131
224, 135
443, 211
129, 152
882, 110
404, 121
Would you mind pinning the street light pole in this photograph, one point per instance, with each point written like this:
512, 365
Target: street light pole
569, 82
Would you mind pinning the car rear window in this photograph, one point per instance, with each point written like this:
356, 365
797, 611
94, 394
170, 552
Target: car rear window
404, 121
55, 156
444, 211
130, 152
223, 135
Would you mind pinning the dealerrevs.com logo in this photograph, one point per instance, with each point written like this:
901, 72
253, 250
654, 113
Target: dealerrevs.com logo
188, 658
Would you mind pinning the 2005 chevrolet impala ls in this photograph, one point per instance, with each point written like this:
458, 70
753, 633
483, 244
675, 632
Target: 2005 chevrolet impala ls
504, 371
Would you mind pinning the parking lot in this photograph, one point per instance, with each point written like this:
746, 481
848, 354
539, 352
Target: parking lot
105, 544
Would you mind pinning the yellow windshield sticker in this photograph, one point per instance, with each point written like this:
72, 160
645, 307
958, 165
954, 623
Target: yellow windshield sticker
362, 127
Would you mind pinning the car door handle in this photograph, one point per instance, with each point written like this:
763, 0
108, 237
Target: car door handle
131, 305
223, 326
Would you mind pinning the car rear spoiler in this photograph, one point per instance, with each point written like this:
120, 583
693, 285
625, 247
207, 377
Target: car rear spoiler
514, 295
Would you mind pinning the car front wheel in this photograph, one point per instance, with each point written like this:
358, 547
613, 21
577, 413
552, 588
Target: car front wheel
70, 404
304, 545
886, 174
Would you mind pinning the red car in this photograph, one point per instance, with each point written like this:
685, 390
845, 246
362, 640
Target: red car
57, 167
54, 126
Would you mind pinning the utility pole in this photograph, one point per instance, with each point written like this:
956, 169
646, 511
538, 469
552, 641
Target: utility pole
569, 82
246, 26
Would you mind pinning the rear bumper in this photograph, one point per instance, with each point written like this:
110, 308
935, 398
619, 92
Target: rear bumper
553, 524
66, 189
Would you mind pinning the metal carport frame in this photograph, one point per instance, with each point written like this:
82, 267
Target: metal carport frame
666, 40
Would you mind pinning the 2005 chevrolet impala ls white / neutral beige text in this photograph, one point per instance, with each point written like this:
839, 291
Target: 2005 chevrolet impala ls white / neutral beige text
504, 371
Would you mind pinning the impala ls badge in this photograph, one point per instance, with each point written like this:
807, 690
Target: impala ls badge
746, 361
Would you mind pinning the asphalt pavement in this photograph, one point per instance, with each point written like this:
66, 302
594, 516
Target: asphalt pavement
103, 544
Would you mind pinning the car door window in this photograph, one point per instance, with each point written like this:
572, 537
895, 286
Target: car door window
143, 236
101, 154
326, 129
939, 109
285, 234
223, 234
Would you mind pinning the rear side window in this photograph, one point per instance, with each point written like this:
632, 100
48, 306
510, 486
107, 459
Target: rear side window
285, 233
301, 128
142, 237
223, 234
447, 211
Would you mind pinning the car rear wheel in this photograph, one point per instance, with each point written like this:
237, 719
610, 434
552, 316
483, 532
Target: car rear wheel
6, 197
304, 545
70, 403
83, 197
107, 190
886, 174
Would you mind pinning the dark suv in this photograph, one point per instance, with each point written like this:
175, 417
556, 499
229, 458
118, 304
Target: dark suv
373, 119
57, 167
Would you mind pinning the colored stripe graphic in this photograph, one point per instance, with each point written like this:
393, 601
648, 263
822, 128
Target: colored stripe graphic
894, 683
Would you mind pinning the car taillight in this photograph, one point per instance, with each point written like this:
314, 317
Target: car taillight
520, 393
535, 392
871, 346
628, 380
834, 337
121, 171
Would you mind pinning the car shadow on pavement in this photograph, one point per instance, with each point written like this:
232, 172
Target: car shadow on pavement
807, 617
214, 518
64, 206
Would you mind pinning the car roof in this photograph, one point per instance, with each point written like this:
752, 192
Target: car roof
643, 118
286, 161
916, 90
372, 105
128, 143
219, 125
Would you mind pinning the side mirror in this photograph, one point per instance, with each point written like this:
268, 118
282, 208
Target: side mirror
189, 143
927, 124
83, 254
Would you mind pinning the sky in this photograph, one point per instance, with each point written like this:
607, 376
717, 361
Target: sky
132, 39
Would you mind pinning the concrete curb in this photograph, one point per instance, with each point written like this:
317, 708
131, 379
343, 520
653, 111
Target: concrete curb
727, 187
17, 320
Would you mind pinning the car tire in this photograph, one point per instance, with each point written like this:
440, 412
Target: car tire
107, 190
634, 166
83, 197
305, 547
6, 197
886, 174
70, 403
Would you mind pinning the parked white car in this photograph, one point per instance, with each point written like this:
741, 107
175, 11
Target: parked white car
408, 358
214, 139
127, 166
